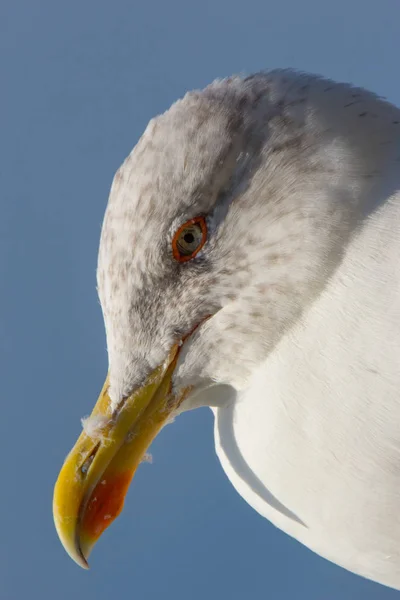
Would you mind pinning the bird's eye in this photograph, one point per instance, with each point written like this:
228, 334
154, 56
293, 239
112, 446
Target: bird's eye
189, 239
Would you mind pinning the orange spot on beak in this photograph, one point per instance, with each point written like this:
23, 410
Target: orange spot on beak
106, 503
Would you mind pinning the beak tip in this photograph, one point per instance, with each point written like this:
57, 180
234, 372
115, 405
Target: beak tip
79, 558
83, 563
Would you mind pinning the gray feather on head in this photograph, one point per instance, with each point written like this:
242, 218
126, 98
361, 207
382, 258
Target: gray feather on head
261, 158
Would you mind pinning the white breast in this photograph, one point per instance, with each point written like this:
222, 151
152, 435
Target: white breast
314, 442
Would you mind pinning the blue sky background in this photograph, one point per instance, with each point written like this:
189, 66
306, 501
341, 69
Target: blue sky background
79, 81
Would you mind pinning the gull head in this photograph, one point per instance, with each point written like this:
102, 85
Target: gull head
221, 227
176, 249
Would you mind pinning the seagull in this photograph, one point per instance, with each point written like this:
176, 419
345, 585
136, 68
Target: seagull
249, 262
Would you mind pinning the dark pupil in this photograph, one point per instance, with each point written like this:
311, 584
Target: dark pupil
189, 238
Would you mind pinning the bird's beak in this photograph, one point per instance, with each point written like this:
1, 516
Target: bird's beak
91, 487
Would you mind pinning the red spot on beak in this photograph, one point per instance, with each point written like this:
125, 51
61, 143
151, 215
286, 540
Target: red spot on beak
106, 503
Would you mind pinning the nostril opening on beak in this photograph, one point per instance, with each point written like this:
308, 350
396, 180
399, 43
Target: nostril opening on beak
85, 466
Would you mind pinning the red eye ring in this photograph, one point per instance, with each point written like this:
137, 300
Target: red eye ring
181, 250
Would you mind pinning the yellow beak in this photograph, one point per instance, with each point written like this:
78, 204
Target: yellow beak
91, 487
